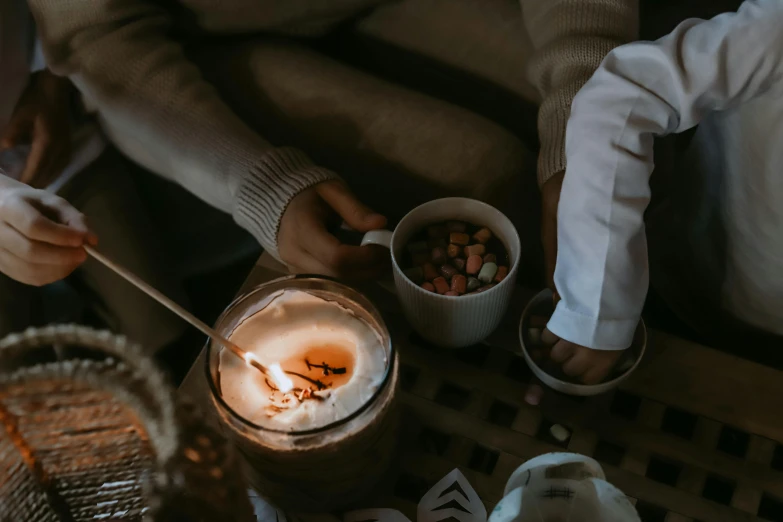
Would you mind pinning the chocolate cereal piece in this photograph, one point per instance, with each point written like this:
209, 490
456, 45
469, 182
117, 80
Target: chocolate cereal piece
473, 265
483, 235
438, 256
441, 286
459, 284
475, 250
459, 238
455, 257
429, 271
456, 226
448, 271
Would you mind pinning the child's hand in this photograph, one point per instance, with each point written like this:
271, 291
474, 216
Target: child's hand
588, 365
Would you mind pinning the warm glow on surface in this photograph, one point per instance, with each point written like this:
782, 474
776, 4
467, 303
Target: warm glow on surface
282, 381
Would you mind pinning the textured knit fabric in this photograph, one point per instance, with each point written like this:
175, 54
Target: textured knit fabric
160, 112
156, 107
571, 37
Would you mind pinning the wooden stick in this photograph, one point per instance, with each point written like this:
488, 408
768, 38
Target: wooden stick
174, 307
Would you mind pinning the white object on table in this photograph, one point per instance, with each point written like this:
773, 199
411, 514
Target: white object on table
559, 432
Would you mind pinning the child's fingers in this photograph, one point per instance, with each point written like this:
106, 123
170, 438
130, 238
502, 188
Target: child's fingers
576, 365
595, 375
548, 338
562, 351
540, 353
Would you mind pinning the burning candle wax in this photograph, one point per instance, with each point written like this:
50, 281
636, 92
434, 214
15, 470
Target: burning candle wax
334, 361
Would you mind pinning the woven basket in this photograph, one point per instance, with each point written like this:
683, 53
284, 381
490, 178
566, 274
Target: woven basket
104, 439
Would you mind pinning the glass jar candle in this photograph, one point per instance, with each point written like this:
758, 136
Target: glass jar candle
319, 432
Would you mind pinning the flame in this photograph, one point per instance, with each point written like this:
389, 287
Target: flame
281, 379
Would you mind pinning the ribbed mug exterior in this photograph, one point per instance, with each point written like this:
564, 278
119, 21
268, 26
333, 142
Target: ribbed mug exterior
452, 322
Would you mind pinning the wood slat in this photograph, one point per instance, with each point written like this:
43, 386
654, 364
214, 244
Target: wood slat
592, 415
525, 448
676, 517
691, 480
714, 384
746, 498
635, 461
761, 450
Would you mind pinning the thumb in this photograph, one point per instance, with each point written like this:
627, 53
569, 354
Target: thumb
356, 214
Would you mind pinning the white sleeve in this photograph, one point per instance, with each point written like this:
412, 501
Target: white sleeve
643, 90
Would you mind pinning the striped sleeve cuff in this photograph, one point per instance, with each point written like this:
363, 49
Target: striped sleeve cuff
265, 194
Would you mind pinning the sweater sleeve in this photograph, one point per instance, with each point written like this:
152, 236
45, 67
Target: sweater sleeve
641, 91
158, 109
571, 38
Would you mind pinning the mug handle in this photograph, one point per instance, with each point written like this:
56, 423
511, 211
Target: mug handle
378, 237
381, 238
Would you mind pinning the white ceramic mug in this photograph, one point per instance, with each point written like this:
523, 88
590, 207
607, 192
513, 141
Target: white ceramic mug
449, 321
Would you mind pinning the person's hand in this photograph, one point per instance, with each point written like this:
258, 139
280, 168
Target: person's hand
41, 119
550, 198
41, 235
588, 365
306, 246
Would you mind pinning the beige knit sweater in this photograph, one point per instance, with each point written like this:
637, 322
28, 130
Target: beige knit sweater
158, 109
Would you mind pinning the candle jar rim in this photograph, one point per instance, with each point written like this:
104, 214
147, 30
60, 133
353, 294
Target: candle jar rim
355, 296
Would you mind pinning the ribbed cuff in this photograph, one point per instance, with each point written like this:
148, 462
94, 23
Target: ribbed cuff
591, 332
552, 132
268, 189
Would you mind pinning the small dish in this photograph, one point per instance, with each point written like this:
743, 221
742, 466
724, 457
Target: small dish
541, 305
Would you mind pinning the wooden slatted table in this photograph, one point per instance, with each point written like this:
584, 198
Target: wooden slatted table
693, 435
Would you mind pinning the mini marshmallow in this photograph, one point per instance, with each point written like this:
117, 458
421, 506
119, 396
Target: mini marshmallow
559, 432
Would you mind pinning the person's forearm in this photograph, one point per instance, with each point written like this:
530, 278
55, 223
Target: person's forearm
158, 109
641, 91
571, 38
